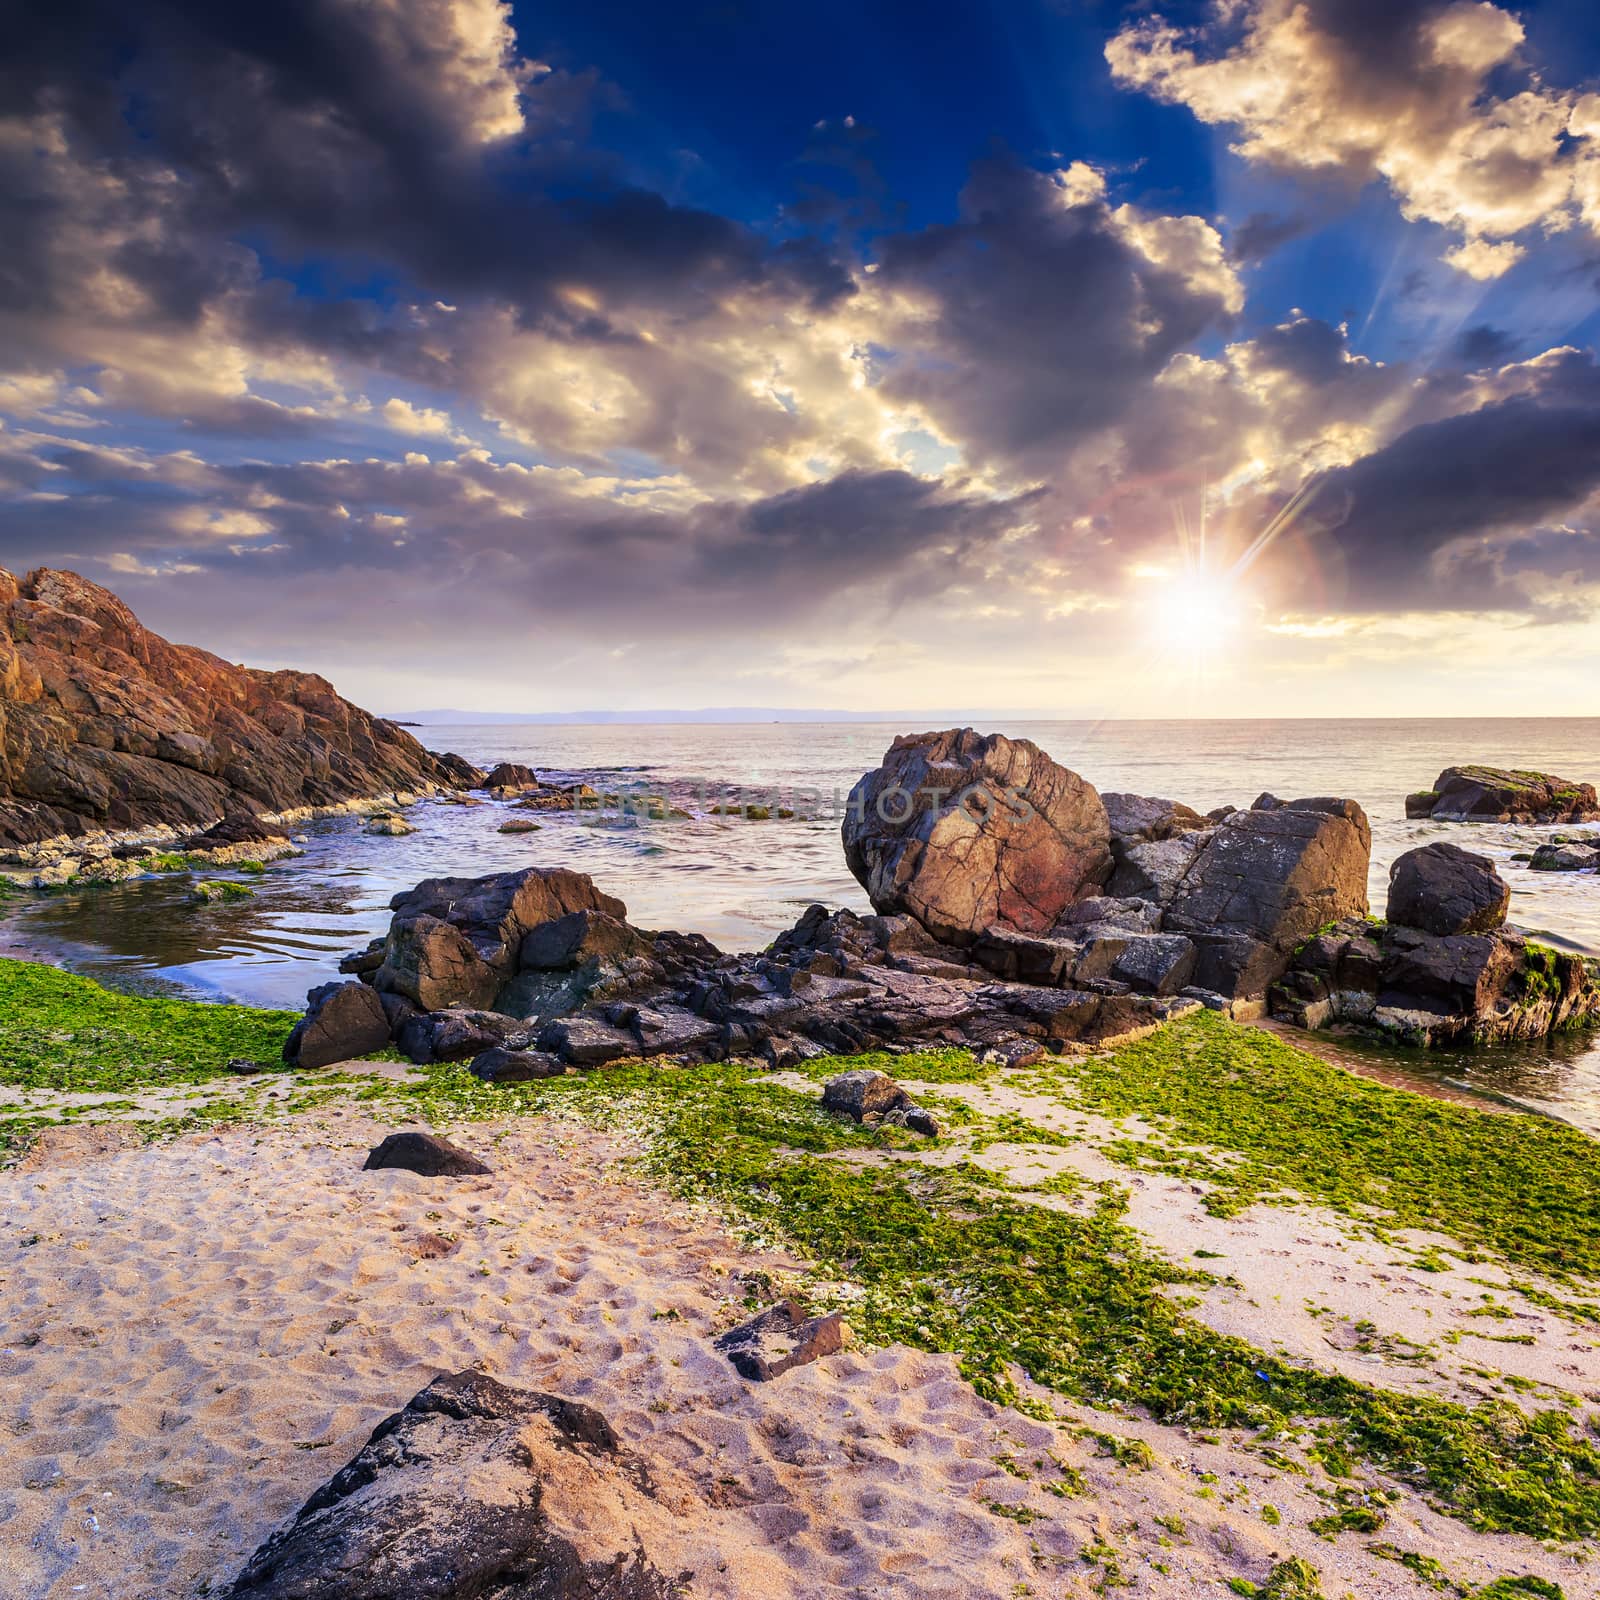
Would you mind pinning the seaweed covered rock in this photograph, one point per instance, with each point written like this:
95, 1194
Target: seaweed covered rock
110, 727
474, 1489
1430, 989
1265, 881
1503, 794
1443, 889
965, 831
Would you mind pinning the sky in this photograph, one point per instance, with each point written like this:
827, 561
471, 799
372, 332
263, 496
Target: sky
1044, 357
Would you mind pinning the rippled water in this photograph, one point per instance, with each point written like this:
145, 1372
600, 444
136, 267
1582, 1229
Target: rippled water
741, 882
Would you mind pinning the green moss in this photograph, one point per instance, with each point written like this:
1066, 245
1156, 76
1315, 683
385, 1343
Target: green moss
212, 889
1351, 1519
1517, 1187
62, 1032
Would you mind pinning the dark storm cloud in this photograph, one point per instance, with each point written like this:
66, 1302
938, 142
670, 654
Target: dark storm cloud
1484, 346
169, 131
1051, 312
1415, 520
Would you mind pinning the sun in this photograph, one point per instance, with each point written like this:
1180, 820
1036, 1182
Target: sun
1194, 616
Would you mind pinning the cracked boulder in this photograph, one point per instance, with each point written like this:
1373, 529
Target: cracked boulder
475, 1491
965, 832
1268, 879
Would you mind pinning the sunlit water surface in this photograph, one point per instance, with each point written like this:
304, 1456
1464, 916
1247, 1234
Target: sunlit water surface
739, 882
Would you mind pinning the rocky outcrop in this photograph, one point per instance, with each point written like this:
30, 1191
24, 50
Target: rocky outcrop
475, 1489
106, 727
535, 971
1443, 889
966, 832
1500, 794
1267, 879
1431, 990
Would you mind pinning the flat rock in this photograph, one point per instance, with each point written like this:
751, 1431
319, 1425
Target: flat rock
780, 1338
586, 1041
499, 1065
426, 1154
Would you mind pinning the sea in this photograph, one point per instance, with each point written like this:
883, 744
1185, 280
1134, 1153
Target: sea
740, 882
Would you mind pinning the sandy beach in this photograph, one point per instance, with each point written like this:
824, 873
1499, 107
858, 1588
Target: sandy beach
198, 1332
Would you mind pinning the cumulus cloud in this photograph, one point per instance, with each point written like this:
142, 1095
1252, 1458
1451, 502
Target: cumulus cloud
1413, 93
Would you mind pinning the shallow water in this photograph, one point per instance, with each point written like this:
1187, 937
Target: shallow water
741, 882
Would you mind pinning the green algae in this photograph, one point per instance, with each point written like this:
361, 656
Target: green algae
1516, 1187
65, 1033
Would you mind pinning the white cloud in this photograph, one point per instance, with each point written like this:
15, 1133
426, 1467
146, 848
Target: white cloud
1409, 102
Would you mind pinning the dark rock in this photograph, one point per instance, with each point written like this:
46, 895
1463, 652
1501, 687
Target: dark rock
1155, 870
1028, 957
587, 1041
780, 1338
1499, 794
434, 965
670, 1031
1137, 818
1266, 881
364, 962
578, 937
460, 772
510, 775
109, 726
965, 832
343, 1021
499, 1065
425, 1154
862, 1093
464, 1494
245, 1067
1443, 889
458, 1035
1156, 963
1568, 856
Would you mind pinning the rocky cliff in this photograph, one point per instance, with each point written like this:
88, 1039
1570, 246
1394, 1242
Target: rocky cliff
106, 726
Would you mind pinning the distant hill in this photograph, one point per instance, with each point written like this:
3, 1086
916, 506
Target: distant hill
442, 718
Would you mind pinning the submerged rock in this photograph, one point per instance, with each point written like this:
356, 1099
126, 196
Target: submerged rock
1443, 889
1501, 794
474, 1489
965, 832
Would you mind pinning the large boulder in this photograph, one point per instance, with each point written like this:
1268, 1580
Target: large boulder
475, 1489
1266, 881
343, 1021
1502, 794
1443, 889
965, 831
1140, 818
